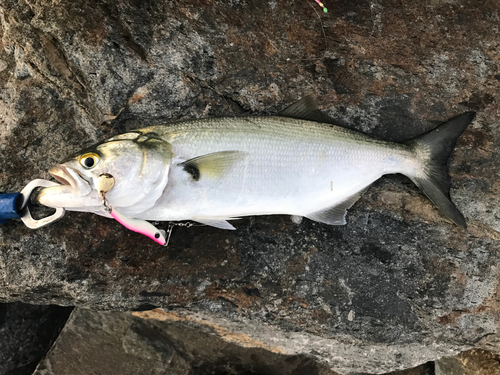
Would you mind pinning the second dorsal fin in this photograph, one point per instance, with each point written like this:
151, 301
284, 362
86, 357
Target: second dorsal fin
306, 109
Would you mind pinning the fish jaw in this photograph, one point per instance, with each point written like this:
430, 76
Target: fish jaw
74, 191
69, 176
62, 196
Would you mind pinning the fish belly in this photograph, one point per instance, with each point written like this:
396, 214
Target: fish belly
293, 169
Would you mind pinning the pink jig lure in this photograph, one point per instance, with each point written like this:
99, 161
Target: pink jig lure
140, 226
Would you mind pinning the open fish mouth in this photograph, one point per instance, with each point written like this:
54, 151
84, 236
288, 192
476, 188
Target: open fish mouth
70, 177
74, 193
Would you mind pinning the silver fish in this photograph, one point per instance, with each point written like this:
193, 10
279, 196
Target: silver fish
218, 169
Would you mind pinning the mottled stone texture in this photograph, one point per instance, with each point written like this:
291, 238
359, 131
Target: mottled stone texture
425, 369
473, 362
397, 287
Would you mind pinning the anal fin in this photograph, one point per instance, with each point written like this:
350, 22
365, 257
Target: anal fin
336, 215
215, 222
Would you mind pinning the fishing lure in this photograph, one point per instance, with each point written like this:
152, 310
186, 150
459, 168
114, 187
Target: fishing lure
322, 6
105, 183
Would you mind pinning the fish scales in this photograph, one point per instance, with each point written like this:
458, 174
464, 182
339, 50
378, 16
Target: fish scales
290, 167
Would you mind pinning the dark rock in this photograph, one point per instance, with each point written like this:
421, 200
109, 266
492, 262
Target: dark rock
395, 288
121, 344
425, 369
26, 334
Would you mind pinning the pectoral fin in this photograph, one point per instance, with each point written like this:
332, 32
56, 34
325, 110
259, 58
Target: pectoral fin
211, 165
336, 215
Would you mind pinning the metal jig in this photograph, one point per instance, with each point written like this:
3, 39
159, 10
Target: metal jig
105, 183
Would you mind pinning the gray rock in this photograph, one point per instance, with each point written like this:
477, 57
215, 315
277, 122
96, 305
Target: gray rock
397, 287
425, 369
118, 343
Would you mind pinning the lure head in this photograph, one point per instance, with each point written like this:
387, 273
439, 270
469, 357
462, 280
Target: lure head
138, 163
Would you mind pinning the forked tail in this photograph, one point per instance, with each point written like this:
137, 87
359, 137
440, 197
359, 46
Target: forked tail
435, 148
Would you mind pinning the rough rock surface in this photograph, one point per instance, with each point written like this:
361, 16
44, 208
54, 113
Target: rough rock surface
425, 369
472, 362
117, 343
397, 287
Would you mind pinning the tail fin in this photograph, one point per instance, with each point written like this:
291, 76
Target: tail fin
436, 146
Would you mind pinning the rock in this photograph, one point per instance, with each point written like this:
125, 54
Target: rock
26, 334
472, 362
395, 288
425, 369
120, 343
124, 343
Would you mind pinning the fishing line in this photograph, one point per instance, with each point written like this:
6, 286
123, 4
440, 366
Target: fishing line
297, 61
171, 226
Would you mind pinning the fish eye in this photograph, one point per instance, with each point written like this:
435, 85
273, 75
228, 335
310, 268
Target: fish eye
89, 160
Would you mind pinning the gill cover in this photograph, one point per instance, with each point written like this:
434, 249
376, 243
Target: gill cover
138, 185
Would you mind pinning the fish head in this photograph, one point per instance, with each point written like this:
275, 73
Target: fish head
139, 164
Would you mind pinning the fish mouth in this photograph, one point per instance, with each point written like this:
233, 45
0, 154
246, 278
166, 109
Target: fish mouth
74, 193
71, 177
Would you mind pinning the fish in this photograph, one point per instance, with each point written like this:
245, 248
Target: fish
214, 170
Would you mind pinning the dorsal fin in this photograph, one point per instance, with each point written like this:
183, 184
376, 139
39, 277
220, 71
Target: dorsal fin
306, 109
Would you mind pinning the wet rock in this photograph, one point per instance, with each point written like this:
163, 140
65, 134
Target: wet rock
395, 288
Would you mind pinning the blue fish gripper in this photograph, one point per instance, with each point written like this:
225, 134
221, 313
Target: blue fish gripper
16, 206
10, 206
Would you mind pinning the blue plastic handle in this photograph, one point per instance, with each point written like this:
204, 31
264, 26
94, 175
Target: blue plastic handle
8, 207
